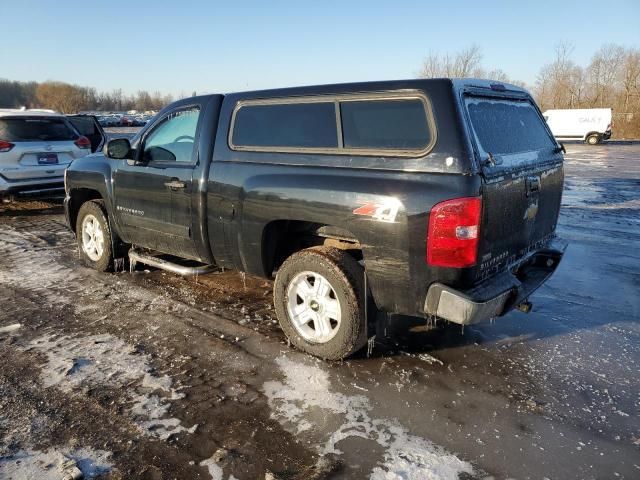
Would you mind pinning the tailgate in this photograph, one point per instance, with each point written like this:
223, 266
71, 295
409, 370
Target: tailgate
523, 179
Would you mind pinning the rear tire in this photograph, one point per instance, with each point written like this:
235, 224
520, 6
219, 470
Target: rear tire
319, 299
593, 139
94, 236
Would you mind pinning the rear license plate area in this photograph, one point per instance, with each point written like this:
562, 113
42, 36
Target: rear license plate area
47, 159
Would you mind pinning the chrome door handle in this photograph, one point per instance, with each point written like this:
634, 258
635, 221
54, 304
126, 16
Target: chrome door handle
175, 184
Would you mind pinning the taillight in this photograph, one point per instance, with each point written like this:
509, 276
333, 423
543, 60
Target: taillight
454, 230
5, 146
83, 142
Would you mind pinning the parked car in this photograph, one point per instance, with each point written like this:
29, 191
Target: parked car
591, 125
109, 121
432, 198
113, 120
89, 127
139, 121
37, 145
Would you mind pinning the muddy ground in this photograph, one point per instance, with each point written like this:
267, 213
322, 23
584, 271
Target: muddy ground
152, 376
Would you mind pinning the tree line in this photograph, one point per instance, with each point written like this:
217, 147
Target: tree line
67, 98
611, 79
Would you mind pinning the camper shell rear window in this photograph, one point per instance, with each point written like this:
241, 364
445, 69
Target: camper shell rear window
504, 126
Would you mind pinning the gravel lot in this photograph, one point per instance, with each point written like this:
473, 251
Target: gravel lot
149, 375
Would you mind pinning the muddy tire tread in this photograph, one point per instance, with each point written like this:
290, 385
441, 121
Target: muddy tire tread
97, 208
347, 279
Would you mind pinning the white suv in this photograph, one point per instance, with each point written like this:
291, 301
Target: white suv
36, 146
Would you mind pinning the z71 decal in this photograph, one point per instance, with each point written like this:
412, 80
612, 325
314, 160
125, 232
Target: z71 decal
385, 211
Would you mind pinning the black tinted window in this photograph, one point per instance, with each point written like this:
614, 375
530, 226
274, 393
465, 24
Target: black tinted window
33, 129
292, 125
173, 138
507, 126
385, 124
84, 125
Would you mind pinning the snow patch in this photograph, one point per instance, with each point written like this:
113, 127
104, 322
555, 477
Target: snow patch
10, 328
87, 362
214, 469
54, 464
307, 389
37, 272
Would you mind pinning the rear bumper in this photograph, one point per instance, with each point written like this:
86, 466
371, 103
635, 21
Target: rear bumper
498, 295
31, 186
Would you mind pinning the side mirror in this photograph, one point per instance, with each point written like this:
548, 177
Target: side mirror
119, 149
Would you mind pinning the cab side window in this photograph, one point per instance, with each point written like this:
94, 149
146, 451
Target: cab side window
173, 140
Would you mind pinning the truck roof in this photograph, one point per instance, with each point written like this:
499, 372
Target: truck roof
374, 86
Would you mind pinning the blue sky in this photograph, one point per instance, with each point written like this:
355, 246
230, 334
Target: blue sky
208, 46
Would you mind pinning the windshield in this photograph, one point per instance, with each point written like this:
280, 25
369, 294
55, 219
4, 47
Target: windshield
33, 129
504, 127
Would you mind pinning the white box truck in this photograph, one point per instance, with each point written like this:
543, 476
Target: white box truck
591, 125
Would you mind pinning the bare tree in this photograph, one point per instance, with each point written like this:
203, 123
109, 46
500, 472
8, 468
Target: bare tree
560, 83
603, 73
630, 78
462, 64
63, 97
466, 63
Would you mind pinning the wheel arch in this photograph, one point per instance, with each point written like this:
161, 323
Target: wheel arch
77, 197
282, 238
598, 134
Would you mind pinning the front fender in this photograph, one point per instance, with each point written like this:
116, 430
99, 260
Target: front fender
93, 173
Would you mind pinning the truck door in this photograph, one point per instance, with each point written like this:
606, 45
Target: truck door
153, 192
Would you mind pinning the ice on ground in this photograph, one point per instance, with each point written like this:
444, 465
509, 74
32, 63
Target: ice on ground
214, 469
10, 328
408, 457
37, 272
87, 362
49, 465
212, 464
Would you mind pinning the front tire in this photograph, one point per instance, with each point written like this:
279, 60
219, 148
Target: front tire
593, 139
319, 299
94, 236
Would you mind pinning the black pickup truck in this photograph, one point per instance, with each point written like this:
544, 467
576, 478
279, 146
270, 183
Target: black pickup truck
432, 198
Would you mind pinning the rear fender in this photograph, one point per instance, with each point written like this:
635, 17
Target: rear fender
386, 213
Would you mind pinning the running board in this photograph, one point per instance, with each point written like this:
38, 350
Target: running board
39, 191
137, 256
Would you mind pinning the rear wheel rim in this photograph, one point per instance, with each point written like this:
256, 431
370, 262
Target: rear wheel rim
92, 238
313, 307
